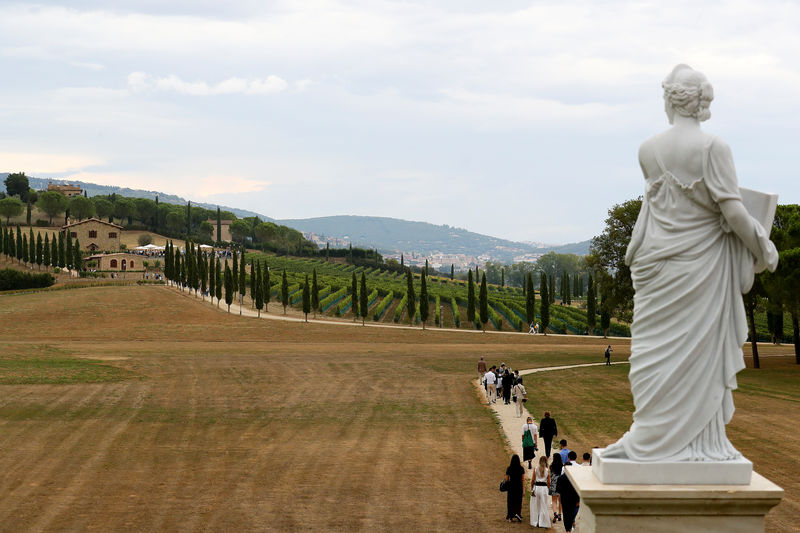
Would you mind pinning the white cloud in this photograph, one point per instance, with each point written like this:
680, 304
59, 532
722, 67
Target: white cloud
45, 163
141, 81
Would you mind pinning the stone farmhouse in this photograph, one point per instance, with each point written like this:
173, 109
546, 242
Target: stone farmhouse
67, 190
118, 262
95, 234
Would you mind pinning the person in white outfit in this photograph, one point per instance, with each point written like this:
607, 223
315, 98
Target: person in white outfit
491, 385
540, 514
519, 393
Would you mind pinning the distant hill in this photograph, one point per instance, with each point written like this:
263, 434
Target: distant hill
387, 234
92, 189
392, 234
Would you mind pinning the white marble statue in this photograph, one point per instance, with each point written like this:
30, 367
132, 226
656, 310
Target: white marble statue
693, 252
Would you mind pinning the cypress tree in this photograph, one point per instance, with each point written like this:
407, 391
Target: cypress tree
314, 292
219, 226
255, 271
363, 299
265, 286
39, 250
184, 278
19, 244
203, 275
68, 251
12, 249
254, 287
31, 248
426, 270
354, 296
228, 286
566, 289
25, 248
530, 299
3, 239
502, 277
551, 289
605, 314
591, 306
411, 298
423, 299
189, 221
452, 271
61, 253
284, 291
218, 279
46, 257
242, 281
484, 302
327, 251
544, 311
77, 258
401, 260
470, 298
235, 270
306, 299
212, 276
28, 214
190, 266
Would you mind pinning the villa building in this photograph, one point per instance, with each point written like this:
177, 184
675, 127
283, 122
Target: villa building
95, 234
67, 190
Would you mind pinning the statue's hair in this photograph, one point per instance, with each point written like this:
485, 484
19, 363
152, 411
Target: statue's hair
688, 92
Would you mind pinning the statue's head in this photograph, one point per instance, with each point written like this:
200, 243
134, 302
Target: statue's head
687, 93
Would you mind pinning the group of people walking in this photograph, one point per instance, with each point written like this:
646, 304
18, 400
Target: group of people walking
548, 476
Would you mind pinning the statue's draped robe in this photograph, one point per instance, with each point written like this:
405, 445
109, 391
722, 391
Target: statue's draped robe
689, 272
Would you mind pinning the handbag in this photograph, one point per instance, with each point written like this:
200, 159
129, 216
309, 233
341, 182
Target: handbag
514, 398
504, 486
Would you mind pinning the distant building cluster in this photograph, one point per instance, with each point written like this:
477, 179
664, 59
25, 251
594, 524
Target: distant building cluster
67, 190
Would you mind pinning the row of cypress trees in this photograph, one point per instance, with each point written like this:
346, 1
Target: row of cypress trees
34, 250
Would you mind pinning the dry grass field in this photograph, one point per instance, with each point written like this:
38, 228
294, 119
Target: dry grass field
139, 409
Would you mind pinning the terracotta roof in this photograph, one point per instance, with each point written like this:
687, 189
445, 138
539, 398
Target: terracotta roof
98, 256
93, 219
53, 187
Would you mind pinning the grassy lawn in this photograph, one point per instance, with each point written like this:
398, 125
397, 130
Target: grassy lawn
150, 411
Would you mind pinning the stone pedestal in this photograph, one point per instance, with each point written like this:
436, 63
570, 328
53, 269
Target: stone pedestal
615, 471
607, 508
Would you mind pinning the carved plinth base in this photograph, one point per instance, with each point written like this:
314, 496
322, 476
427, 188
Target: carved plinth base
614, 471
607, 508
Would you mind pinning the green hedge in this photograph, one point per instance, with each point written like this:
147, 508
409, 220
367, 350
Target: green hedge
11, 280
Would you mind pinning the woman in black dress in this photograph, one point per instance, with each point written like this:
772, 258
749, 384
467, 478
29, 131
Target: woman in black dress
515, 476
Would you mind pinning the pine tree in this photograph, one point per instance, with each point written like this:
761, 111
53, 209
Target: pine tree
354, 296
218, 279
470, 298
591, 307
242, 281
411, 298
266, 287
39, 250
530, 299
544, 311
255, 271
46, 251
284, 291
77, 259
306, 299
484, 302
363, 299
314, 293
423, 299
228, 286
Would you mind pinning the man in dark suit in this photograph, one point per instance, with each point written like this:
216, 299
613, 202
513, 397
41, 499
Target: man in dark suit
547, 430
570, 501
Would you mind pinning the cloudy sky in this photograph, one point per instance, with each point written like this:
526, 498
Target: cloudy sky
516, 119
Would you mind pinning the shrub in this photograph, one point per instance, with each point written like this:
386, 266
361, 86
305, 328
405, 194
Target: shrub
145, 239
42, 223
14, 279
